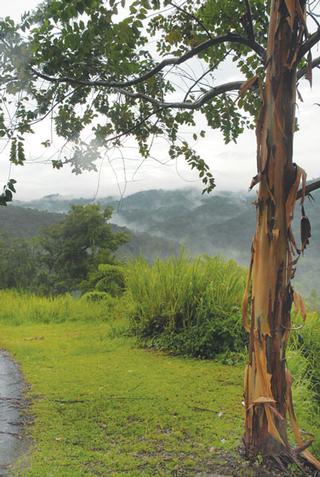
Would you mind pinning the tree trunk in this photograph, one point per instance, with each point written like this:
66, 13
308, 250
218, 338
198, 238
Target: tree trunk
267, 381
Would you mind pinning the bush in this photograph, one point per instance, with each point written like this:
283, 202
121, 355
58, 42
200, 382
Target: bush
109, 278
188, 306
96, 295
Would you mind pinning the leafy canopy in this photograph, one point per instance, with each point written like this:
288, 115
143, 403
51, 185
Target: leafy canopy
77, 245
143, 69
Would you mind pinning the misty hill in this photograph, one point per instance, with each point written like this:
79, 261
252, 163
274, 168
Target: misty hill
25, 222
56, 203
216, 224
221, 223
19, 222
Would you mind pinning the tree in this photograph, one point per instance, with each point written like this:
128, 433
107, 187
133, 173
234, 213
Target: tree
18, 262
76, 246
86, 63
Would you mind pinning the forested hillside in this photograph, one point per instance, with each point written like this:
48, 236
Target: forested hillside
27, 222
28, 219
160, 221
218, 224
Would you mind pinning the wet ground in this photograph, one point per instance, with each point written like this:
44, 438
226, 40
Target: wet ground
12, 403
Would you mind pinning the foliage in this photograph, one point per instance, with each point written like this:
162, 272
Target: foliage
119, 307
188, 306
108, 278
26, 222
88, 63
8, 191
307, 341
74, 247
61, 258
96, 295
305, 396
18, 262
18, 308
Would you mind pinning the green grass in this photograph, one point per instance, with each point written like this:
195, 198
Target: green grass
103, 407
18, 308
310, 346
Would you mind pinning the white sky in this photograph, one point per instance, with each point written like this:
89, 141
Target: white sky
232, 165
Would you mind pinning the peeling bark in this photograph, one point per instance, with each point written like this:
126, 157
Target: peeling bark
267, 381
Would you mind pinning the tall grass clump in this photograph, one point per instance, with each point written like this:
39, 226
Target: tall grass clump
306, 401
188, 306
310, 348
306, 340
303, 362
18, 308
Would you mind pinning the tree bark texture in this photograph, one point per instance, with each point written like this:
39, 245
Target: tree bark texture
268, 399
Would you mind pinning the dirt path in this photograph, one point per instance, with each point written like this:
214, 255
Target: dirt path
12, 402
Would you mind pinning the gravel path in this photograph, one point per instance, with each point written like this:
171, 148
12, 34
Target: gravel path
12, 402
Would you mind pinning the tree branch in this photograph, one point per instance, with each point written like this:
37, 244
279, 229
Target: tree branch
308, 44
134, 127
249, 26
228, 38
308, 189
213, 67
192, 105
190, 15
8, 79
224, 88
197, 82
303, 71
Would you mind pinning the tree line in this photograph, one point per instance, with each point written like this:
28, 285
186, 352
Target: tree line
64, 256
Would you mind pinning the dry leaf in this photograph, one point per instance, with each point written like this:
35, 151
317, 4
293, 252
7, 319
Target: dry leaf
305, 230
248, 85
299, 305
255, 180
264, 400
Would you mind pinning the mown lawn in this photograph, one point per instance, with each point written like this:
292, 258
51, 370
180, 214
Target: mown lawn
103, 407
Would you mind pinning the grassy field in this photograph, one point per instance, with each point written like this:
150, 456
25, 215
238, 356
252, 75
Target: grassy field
103, 407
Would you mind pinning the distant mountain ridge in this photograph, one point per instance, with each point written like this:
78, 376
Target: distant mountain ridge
25, 222
218, 224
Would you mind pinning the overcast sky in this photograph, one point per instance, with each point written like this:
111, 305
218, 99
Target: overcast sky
232, 165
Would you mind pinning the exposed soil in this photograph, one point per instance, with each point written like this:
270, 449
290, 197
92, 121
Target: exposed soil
235, 465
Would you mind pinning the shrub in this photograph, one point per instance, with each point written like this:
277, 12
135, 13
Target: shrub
109, 278
96, 295
188, 306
